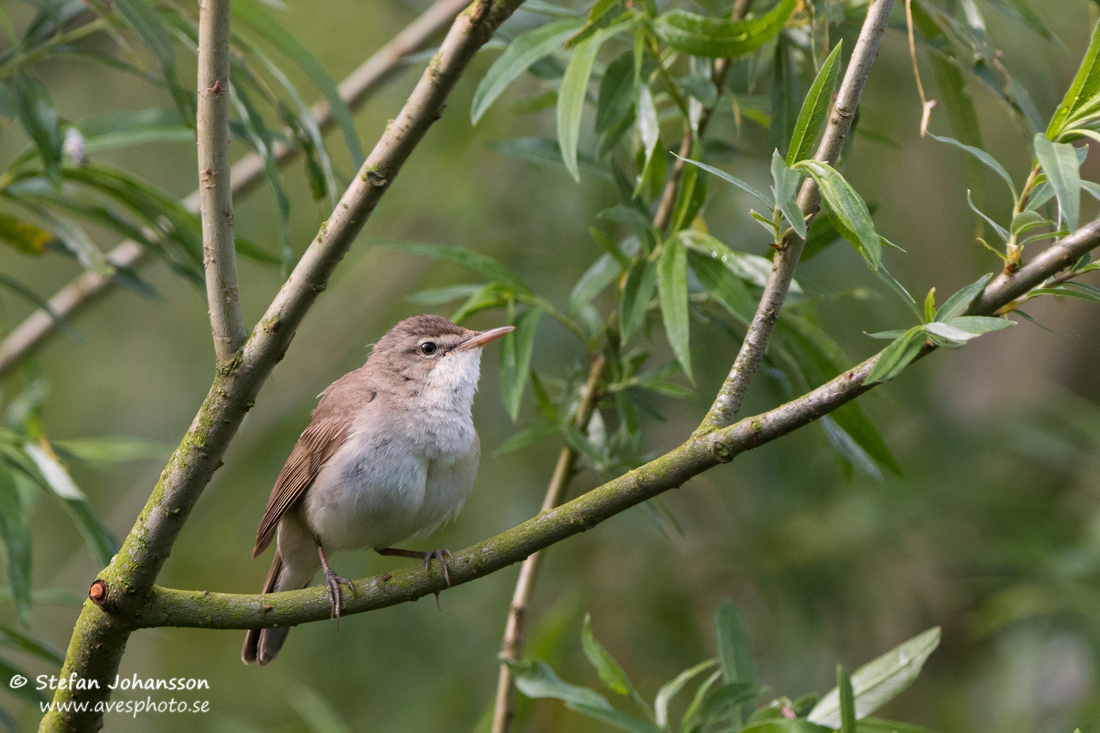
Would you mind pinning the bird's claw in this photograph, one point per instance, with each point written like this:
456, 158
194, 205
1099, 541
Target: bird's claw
335, 597
439, 555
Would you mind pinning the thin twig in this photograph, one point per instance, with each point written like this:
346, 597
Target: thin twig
219, 257
504, 709
748, 360
925, 105
103, 628
202, 609
88, 287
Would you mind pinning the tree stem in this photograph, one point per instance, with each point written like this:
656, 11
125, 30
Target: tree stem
215, 194
728, 403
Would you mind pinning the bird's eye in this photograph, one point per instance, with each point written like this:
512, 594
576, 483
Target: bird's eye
428, 348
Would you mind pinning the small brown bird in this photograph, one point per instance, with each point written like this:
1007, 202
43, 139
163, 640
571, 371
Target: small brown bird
390, 454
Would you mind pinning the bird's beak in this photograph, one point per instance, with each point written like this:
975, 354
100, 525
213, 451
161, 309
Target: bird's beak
480, 339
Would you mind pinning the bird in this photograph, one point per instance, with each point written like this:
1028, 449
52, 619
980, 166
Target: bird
389, 455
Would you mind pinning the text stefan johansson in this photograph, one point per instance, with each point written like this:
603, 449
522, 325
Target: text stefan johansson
73, 682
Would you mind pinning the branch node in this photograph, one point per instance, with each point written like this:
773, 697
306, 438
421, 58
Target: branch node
97, 594
721, 452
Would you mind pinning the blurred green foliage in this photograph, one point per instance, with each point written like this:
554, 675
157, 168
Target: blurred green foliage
984, 522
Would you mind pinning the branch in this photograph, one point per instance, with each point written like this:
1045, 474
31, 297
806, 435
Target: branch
219, 257
729, 399
201, 609
88, 287
504, 710
126, 585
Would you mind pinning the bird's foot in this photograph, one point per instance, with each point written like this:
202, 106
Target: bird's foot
439, 555
335, 598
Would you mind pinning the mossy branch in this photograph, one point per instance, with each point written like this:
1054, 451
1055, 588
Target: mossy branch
704, 450
126, 585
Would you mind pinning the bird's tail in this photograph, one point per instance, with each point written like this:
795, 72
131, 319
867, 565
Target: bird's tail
261, 645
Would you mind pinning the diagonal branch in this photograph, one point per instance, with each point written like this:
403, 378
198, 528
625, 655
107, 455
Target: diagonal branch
728, 402
88, 287
219, 257
201, 609
125, 586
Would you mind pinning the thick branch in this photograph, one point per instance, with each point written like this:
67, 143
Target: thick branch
86, 289
748, 360
168, 607
128, 582
219, 257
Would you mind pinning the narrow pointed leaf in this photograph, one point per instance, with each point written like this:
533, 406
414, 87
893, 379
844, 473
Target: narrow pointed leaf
535, 679
669, 689
814, 110
593, 282
847, 210
609, 670
672, 284
897, 355
641, 283
524, 50
571, 95
700, 35
748, 188
1084, 89
847, 701
960, 301
785, 188
16, 538
1059, 162
879, 681
488, 266
515, 359
982, 156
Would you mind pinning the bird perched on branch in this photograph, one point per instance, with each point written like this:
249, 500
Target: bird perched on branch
390, 454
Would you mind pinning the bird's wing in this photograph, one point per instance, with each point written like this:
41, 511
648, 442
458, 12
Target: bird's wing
332, 420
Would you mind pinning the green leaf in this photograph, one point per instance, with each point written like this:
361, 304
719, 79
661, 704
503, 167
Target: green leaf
930, 306
846, 209
515, 359
39, 119
722, 285
649, 130
547, 152
670, 689
1025, 221
616, 93
254, 14
439, 296
535, 679
1001, 231
734, 650
847, 701
881, 680
609, 670
897, 355
1084, 90
690, 198
748, 188
672, 286
983, 157
597, 277
958, 303
785, 189
641, 282
527, 436
488, 266
114, 130
24, 237
699, 35
612, 717
38, 301
112, 449
964, 328
814, 110
54, 478
573, 92
16, 537
1059, 162
527, 48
